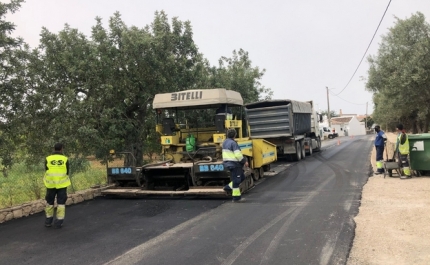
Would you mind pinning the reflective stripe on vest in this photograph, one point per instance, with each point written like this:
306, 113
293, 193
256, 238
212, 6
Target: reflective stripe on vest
56, 175
228, 155
403, 148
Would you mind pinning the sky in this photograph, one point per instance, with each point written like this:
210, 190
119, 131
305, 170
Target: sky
305, 46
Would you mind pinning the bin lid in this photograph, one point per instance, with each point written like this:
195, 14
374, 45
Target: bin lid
419, 136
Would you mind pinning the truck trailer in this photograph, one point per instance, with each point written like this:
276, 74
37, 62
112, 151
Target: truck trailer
291, 125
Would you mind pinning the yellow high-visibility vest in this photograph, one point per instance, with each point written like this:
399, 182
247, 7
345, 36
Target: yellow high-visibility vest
56, 175
403, 148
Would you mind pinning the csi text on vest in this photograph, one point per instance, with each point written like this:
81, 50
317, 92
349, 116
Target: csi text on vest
57, 162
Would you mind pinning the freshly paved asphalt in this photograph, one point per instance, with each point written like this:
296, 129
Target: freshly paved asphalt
303, 215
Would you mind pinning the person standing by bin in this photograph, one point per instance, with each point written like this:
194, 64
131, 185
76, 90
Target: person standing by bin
380, 140
402, 150
56, 181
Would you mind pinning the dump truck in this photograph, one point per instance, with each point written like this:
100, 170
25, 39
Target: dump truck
192, 126
291, 125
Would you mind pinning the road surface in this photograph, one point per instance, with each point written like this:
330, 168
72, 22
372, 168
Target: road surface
303, 215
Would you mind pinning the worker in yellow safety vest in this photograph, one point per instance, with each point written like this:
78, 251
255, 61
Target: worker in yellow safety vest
402, 149
234, 161
56, 181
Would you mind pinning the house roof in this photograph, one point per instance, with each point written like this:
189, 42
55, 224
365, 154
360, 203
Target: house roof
340, 120
362, 117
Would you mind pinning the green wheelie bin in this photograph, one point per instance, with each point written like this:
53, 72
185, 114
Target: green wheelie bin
419, 152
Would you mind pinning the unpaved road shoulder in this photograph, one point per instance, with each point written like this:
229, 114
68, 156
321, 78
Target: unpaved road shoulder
393, 224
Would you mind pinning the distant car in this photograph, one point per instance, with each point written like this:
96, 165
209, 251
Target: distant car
329, 133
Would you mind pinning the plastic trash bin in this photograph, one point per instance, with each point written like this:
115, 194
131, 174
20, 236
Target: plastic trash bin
419, 151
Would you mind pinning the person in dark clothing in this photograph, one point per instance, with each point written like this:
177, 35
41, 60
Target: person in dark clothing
56, 181
234, 160
380, 140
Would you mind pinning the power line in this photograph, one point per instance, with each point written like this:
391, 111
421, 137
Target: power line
366, 49
337, 95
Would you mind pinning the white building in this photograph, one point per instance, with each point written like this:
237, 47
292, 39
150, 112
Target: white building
348, 126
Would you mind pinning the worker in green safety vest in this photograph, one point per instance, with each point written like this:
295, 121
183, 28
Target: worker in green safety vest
402, 150
56, 181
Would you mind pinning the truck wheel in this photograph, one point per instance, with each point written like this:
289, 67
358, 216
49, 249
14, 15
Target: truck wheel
298, 155
261, 172
256, 174
330, 136
302, 146
310, 151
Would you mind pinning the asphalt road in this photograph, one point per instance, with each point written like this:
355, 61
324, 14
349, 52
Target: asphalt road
303, 215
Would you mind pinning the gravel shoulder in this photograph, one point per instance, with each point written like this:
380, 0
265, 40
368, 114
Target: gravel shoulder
393, 224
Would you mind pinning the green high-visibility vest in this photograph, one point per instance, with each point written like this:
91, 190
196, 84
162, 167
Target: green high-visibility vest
56, 175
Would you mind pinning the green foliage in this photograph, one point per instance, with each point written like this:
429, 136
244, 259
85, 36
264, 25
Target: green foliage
236, 73
78, 164
369, 121
151, 145
398, 75
10, 66
87, 179
332, 113
94, 93
25, 183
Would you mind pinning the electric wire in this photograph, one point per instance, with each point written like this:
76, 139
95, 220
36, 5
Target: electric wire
366, 49
336, 95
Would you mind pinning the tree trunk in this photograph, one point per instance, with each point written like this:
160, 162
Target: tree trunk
5, 172
414, 127
139, 155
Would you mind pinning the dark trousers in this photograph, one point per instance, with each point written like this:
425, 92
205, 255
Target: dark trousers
379, 153
60, 193
236, 176
380, 158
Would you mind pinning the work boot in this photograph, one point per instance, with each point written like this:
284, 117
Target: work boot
403, 177
48, 221
58, 223
227, 189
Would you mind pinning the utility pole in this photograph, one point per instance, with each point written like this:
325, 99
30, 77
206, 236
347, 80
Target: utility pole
328, 111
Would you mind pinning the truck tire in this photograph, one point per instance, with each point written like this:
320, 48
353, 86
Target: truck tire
298, 155
310, 151
256, 174
318, 143
330, 136
302, 146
